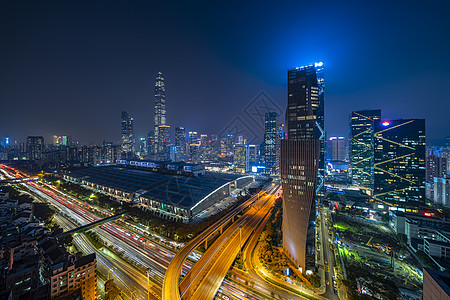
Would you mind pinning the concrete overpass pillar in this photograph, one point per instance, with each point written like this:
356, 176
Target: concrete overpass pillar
206, 243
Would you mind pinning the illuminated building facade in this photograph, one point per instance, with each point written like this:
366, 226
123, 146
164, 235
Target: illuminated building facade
302, 161
241, 161
62, 140
127, 136
164, 142
35, 147
361, 135
399, 164
159, 112
272, 136
336, 148
180, 144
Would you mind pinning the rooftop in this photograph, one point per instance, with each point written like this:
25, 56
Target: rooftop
166, 188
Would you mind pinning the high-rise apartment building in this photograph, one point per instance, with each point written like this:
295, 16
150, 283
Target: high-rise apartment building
127, 136
302, 161
361, 152
35, 147
159, 112
272, 137
336, 148
75, 279
180, 144
436, 162
399, 162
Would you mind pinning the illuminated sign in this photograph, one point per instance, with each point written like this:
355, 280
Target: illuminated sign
386, 123
427, 214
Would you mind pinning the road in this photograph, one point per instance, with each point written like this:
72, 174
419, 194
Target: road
328, 256
204, 279
171, 279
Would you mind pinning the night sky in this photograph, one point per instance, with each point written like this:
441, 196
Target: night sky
71, 67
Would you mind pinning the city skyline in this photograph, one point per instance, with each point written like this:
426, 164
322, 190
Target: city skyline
364, 70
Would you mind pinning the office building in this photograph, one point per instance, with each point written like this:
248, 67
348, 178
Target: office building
302, 160
127, 136
442, 190
272, 137
180, 144
336, 148
62, 140
159, 113
143, 147
35, 148
253, 155
241, 161
164, 142
399, 162
361, 136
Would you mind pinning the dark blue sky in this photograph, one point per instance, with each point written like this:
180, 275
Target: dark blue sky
70, 67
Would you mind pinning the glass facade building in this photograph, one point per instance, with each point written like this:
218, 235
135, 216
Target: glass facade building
399, 164
127, 136
361, 135
303, 163
272, 136
159, 111
180, 144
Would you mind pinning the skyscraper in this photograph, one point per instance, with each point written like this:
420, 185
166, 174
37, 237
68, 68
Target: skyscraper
160, 111
127, 136
336, 148
35, 147
302, 160
240, 158
164, 142
399, 165
361, 135
272, 136
180, 144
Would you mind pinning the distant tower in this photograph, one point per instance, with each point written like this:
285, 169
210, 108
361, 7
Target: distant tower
127, 136
180, 144
160, 112
35, 147
272, 137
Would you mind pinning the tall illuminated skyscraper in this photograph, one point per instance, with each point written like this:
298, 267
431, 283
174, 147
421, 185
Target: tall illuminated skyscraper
302, 162
180, 144
399, 164
160, 111
272, 137
361, 135
127, 136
